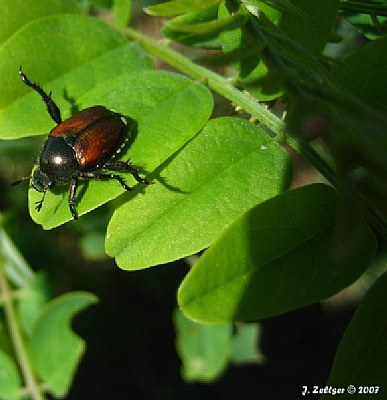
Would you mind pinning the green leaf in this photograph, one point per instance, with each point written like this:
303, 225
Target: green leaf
200, 28
18, 271
372, 24
92, 246
282, 40
83, 52
203, 349
361, 358
54, 349
311, 27
244, 346
10, 382
31, 301
168, 108
229, 167
14, 14
363, 109
178, 7
207, 28
360, 73
121, 10
279, 256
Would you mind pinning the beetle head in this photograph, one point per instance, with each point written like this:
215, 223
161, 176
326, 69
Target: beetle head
40, 181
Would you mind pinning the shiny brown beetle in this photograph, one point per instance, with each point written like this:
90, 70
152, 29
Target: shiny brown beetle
82, 147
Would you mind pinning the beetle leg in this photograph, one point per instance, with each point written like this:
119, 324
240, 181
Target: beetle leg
39, 203
126, 167
52, 108
72, 193
106, 177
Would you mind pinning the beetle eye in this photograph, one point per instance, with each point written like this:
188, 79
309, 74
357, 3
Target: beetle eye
40, 181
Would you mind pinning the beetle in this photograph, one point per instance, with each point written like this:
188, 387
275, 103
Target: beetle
81, 147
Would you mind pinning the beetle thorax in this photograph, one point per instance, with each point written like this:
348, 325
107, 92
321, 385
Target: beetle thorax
58, 161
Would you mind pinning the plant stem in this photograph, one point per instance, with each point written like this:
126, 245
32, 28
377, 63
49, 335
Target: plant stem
32, 386
213, 80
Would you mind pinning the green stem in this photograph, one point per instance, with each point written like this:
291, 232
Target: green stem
32, 386
310, 154
213, 80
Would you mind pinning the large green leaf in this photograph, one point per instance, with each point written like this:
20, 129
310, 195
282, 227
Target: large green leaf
83, 52
361, 358
279, 256
168, 108
54, 349
226, 169
16, 13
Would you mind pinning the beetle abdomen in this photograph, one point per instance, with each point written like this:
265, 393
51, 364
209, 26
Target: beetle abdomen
95, 134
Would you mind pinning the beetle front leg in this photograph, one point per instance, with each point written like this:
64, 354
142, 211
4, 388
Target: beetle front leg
39, 203
72, 194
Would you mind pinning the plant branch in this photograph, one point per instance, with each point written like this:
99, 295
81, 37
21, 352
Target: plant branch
221, 85
212, 79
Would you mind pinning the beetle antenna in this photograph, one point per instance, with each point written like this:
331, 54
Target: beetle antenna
52, 108
25, 178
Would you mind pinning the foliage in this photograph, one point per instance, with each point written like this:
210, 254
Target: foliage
221, 177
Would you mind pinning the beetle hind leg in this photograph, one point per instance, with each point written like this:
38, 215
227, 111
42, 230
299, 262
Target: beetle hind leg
106, 177
121, 181
52, 108
122, 166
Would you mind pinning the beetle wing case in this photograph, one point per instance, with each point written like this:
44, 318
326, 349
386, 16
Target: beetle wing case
95, 134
